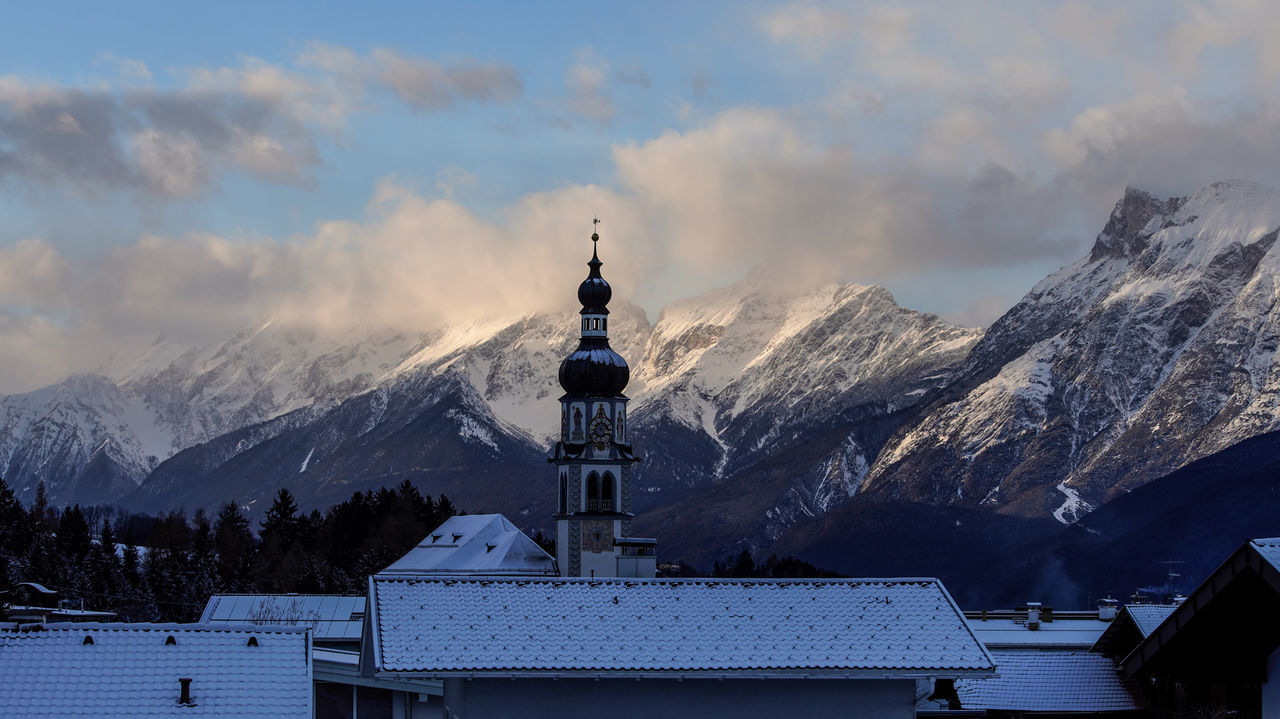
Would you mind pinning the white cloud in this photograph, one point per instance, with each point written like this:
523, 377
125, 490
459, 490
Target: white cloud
587, 82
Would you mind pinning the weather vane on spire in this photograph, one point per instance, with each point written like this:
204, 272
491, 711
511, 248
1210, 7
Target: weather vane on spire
595, 236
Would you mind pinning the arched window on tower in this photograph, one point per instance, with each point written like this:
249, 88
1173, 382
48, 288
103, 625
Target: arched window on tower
585, 324
606, 493
564, 493
593, 492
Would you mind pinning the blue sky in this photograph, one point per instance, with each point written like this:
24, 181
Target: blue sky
187, 169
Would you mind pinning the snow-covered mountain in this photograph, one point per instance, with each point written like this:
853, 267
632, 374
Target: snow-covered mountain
742, 373
82, 433
753, 408
93, 438
1156, 349
705, 378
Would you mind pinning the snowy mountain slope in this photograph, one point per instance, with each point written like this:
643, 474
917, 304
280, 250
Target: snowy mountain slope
166, 399
1156, 349
742, 372
83, 437
846, 344
432, 429
260, 373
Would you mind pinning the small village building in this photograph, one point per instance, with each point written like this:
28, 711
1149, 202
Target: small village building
336, 623
745, 648
1035, 626
1218, 652
1133, 624
109, 670
1048, 683
29, 602
475, 545
1044, 666
463, 546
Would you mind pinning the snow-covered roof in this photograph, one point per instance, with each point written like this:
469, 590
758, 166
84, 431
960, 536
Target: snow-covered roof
1061, 633
1146, 617
331, 617
485, 544
132, 670
1268, 549
903, 627
1039, 681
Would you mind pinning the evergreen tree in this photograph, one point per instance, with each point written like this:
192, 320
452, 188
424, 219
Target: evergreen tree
106, 577
73, 541
43, 518
15, 534
235, 548
202, 569
276, 566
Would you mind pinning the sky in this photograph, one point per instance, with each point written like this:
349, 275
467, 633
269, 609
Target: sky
184, 170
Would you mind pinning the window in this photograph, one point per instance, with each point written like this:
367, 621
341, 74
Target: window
343, 701
595, 323
604, 324
593, 492
606, 493
335, 701
373, 703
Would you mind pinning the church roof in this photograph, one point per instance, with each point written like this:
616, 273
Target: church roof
704, 627
484, 544
132, 670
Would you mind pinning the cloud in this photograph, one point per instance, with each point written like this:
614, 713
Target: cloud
418, 82
172, 144
587, 82
691, 209
634, 75
259, 119
127, 69
701, 84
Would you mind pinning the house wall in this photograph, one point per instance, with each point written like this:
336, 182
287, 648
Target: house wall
672, 699
1271, 688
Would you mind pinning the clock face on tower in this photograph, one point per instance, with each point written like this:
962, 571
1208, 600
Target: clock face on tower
601, 429
597, 536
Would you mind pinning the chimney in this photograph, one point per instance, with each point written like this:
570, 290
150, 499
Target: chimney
184, 697
1107, 609
1033, 615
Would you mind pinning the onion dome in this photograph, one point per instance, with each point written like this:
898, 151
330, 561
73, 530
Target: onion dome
594, 368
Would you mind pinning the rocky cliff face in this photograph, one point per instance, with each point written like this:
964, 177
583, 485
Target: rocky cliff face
1154, 350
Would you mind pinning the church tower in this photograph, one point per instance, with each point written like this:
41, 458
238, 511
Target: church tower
593, 457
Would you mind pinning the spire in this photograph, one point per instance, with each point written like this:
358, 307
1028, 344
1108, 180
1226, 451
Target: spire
594, 368
594, 293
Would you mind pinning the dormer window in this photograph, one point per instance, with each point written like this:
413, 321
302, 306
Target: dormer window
456, 537
436, 538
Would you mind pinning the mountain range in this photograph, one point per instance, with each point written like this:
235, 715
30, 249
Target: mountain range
760, 413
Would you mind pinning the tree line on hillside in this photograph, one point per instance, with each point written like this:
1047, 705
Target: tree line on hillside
164, 568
